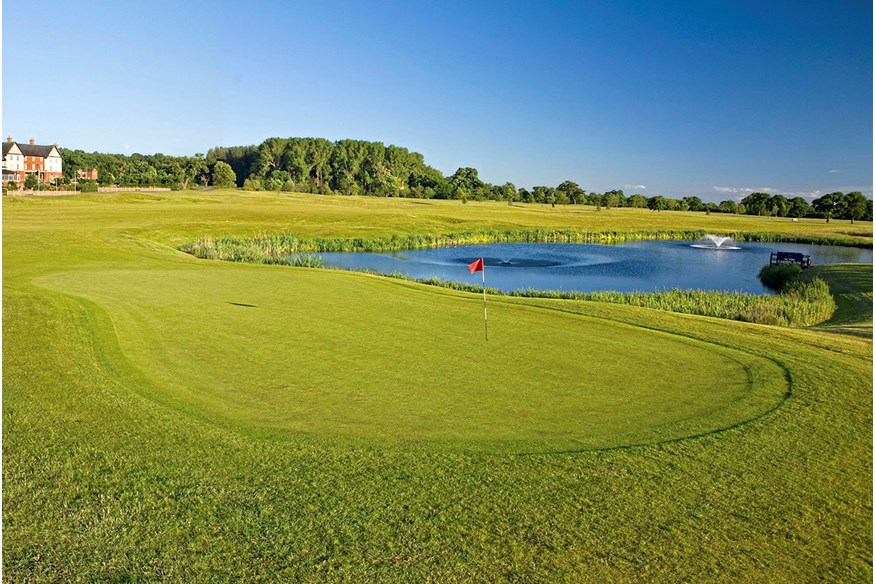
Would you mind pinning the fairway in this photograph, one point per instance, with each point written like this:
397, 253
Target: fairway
173, 419
340, 354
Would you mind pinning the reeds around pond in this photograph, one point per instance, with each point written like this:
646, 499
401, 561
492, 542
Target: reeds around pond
798, 304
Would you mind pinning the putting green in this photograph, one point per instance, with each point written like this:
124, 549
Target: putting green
342, 355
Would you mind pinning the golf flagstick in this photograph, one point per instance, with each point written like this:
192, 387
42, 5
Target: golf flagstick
484, 280
478, 265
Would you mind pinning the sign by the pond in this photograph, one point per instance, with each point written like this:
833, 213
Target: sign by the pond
790, 257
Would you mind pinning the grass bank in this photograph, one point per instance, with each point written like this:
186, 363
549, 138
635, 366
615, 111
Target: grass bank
852, 287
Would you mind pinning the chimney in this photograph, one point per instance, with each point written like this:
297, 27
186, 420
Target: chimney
56, 144
31, 141
9, 139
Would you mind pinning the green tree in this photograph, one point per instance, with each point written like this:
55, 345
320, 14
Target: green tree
373, 173
270, 156
657, 203
828, 205
402, 165
429, 183
779, 206
31, 181
346, 163
798, 207
242, 159
856, 205
727, 206
318, 154
757, 204
294, 160
525, 195
223, 175
543, 194
612, 199
194, 169
508, 192
575, 194
694, 203
465, 180
637, 201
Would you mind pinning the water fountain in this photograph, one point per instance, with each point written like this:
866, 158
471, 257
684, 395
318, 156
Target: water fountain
715, 242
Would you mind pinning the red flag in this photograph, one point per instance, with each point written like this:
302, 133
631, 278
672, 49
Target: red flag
476, 266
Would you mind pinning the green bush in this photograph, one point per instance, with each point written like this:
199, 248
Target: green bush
88, 186
775, 277
252, 184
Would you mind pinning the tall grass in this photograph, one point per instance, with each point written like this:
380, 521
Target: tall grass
799, 304
273, 248
267, 248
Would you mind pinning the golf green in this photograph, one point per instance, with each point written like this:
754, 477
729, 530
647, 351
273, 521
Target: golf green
349, 356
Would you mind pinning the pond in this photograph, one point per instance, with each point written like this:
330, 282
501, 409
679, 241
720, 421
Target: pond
626, 267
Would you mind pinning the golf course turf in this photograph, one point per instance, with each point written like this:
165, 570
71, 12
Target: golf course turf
169, 418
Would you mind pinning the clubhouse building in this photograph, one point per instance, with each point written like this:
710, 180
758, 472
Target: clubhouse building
20, 160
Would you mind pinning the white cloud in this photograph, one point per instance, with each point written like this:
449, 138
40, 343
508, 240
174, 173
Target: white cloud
805, 194
636, 187
834, 171
743, 190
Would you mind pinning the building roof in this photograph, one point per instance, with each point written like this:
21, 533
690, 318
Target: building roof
35, 150
29, 149
7, 146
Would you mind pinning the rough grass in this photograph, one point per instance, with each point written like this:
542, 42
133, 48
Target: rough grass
110, 474
852, 287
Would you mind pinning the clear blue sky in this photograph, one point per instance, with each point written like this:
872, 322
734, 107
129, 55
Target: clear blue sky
673, 98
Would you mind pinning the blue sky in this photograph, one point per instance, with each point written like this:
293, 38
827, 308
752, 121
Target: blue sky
675, 98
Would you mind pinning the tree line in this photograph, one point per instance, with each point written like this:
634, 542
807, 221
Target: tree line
359, 167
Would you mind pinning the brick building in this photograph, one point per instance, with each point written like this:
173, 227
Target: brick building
20, 160
86, 173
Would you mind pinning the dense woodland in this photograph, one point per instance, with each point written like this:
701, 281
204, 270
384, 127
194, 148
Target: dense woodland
358, 167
